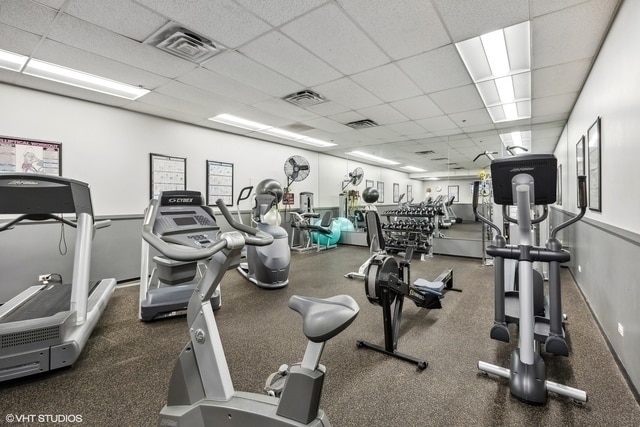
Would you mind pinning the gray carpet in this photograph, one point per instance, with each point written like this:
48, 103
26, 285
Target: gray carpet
121, 378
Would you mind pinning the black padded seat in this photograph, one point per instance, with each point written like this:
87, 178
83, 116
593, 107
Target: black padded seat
324, 318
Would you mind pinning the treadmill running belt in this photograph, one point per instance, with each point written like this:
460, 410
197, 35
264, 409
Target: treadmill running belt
45, 303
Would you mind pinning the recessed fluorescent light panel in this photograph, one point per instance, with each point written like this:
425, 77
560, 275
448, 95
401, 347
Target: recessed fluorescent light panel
412, 169
45, 70
372, 157
500, 65
12, 61
230, 120
517, 139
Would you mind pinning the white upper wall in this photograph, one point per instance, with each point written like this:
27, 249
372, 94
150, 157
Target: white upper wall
611, 92
109, 148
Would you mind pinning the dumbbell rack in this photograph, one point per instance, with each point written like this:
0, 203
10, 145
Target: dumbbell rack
409, 226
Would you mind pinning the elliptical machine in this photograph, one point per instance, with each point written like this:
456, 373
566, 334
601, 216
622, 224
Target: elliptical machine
201, 392
267, 266
166, 291
524, 181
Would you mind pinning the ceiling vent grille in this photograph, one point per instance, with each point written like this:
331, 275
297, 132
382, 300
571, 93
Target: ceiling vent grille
183, 43
305, 98
425, 152
439, 158
362, 124
458, 168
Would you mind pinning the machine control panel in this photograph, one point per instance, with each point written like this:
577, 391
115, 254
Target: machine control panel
186, 225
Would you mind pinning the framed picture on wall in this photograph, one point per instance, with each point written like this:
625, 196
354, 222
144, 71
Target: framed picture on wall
396, 192
454, 190
580, 157
167, 173
593, 144
30, 156
369, 183
219, 182
559, 187
409, 193
380, 192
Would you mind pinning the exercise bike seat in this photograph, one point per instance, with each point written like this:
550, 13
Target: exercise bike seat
427, 286
324, 318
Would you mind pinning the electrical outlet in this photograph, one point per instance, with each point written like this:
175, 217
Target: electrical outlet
620, 329
44, 278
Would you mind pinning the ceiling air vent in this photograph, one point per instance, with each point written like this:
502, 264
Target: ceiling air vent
305, 98
457, 168
439, 158
182, 43
362, 124
425, 152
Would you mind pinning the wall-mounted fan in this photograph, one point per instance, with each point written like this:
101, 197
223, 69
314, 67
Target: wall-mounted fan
296, 168
354, 179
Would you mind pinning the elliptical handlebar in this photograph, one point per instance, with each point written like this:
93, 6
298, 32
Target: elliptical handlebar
582, 204
180, 253
476, 191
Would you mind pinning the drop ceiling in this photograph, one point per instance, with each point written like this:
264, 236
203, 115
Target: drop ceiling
393, 62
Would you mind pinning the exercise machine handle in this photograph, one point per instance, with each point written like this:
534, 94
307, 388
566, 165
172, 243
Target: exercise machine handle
582, 204
476, 190
254, 236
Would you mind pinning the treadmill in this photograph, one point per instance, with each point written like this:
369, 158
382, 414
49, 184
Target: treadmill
182, 220
46, 326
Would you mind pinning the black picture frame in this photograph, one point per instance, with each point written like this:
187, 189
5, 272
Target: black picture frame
30, 156
219, 182
380, 187
594, 142
166, 173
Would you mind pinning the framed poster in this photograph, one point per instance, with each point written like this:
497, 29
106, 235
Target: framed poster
396, 193
30, 156
409, 193
580, 157
559, 187
219, 182
593, 143
369, 183
454, 190
167, 173
380, 192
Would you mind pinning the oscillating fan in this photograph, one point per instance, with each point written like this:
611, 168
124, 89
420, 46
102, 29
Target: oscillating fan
296, 168
355, 178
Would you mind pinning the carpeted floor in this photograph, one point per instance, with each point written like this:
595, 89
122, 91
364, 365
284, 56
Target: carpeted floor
121, 378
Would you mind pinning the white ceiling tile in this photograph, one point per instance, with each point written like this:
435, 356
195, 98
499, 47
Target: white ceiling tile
378, 132
563, 78
55, 4
406, 28
160, 111
471, 118
347, 117
557, 104
348, 93
459, 99
238, 67
212, 103
223, 21
27, 15
407, 128
419, 107
180, 105
327, 108
447, 132
387, 82
437, 70
120, 16
580, 28
285, 109
542, 7
89, 37
223, 85
278, 12
281, 54
18, 41
342, 44
435, 124
382, 114
327, 125
71, 57
465, 19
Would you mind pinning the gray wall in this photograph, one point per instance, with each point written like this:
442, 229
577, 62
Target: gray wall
605, 245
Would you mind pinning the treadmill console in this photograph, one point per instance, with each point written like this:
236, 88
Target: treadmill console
181, 219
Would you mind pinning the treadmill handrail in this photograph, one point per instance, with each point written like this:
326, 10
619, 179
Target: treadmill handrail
182, 253
43, 217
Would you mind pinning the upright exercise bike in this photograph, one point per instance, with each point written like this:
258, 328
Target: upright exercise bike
526, 181
201, 392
